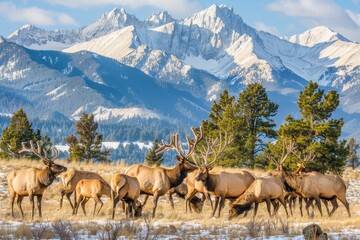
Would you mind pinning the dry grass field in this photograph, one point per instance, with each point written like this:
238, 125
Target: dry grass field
168, 223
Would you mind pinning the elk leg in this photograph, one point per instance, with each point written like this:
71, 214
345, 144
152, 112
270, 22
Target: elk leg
255, 209
156, 198
62, 192
282, 201
268, 206
31, 198
145, 199
335, 206
133, 209
300, 206
97, 199
318, 203
343, 200
114, 203
308, 203
18, 202
83, 203
12, 200
39, 198
325, 202
222, 201
276, 206
216, 205
211, 202
188, 197
68, 198
171, 201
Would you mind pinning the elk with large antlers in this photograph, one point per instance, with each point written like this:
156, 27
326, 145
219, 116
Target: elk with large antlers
220, 184
33, 181
157, 181
69, 180
312, 185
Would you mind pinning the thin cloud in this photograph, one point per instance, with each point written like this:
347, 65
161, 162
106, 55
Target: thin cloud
260, 26
177, 8
320, 12
34, 15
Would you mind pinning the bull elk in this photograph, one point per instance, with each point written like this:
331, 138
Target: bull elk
312, 185
90, 188
220, 184
126, 188
157, 181
69, 180
263, 189
33, 181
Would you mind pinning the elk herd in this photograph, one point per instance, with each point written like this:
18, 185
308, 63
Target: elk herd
192, 179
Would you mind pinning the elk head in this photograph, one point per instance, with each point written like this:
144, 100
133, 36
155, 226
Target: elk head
212, 149
54, 168
287, 148
182, 156
304, 159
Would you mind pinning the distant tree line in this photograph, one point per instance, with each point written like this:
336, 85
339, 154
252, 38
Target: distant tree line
249, 119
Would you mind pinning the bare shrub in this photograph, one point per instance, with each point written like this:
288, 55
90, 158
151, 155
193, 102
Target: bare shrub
253, 228
41, 231
113, 230
285, 226
64, 230
23, 231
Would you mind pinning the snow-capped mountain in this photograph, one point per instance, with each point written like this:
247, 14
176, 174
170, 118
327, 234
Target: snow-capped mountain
205, 53
48, 83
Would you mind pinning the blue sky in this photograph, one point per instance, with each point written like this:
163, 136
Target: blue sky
279, 17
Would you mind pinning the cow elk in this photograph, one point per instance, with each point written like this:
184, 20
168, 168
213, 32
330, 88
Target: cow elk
157, 181
263, 189
220, 184
126, 188
181, 190
90, 188
33, 181
69, 180
312, 185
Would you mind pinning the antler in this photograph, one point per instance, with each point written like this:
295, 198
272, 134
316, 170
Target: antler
38, 151
213, 147
288, 147
305, 158
177, 146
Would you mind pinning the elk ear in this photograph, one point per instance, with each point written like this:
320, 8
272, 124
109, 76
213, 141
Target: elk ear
47, 163
180, 159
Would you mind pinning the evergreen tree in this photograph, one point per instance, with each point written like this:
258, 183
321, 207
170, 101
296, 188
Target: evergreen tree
353, 158
249, 120
20, 130
88, 146
152, 158
257, 112
315, 132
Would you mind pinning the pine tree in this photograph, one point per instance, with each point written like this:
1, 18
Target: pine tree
88, 146
353, 158
315, 132
152, 158
257, 112
20, 130
249, 120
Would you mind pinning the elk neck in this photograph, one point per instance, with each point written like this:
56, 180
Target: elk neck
210, 182
291, 180
176, 174
46, 177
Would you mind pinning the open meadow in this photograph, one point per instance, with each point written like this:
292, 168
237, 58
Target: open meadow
168, 223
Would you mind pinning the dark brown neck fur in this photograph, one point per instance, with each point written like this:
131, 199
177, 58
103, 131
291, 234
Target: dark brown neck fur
176, 175
210, 182
46, 177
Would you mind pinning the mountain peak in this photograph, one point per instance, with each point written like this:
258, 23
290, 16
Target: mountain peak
2, 39
158, 19
215, 18
316, 35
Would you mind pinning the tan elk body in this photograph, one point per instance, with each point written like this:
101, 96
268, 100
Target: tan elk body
156, 181
70, 179
90, 188
263, 189
33, 182
125, 188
